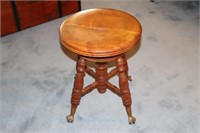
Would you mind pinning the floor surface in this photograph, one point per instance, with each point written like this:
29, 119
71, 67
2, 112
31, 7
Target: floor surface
37, 77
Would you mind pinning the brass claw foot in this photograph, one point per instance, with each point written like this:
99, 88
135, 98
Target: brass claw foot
131, 120
70, 118
129, 78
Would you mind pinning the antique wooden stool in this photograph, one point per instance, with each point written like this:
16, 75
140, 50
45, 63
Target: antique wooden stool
100, 36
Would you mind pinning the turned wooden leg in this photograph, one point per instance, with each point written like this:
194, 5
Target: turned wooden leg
126, 67
101, 76
78, 86
124, 88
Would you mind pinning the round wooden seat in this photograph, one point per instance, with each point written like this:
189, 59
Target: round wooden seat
100, 32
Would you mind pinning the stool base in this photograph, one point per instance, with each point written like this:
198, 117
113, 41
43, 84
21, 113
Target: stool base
101, 77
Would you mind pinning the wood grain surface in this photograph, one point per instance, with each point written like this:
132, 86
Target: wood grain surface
100, 32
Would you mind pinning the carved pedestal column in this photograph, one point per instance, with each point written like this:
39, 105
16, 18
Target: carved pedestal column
101, 76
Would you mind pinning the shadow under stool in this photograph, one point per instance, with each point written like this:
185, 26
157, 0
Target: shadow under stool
100, 36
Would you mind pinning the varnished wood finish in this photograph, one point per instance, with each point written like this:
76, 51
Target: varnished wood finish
126, 68
123, 82
89, 88
113, 88
100, 32
90, 72
7, 18
100, 36
112, 73
17, 15
69, 7
36, 12
101, 76
124, 87
78, 86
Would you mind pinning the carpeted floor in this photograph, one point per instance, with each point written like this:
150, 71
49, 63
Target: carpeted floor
37, 77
